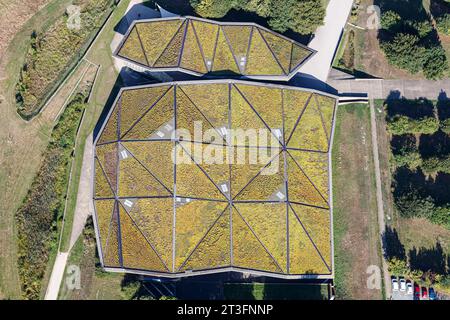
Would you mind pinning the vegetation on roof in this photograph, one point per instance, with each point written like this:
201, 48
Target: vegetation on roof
186, 205
205, 46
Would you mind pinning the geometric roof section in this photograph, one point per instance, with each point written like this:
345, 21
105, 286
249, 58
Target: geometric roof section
172, 202
199, 46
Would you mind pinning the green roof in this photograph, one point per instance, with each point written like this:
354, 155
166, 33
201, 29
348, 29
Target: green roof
202, 46
163, 217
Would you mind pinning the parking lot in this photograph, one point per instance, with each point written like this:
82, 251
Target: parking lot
403, 289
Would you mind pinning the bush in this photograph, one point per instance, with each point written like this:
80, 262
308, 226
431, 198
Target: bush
44, 204
404, 52
445, 125
408, 158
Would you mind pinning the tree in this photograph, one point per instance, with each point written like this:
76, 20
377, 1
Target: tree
389, 20
443, 24
302, 16
404, 52
213, 8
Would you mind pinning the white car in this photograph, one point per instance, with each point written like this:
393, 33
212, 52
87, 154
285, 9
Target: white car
394, 284
409, 287
402, 285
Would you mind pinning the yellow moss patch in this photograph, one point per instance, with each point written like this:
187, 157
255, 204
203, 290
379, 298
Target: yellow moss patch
135, 180
107, 156
188, 117
303, 257
132, 48
191, 181
110, 131
242, 169
171, 55
326, 107
104, 211
135, 102
154, 217
136, 251
300, 188
215, 162
267, 183
214, 250
280, 47
244, 118
223, 58
102, 187
267, 102
315, 166
111, 254
156, 156
155, 36
160, 114
268, 221
294, 101
211, 100
298, 55
248, 252
261, 61
310, 133
193, 220
317, 224
239, 38
207, 35
192, 58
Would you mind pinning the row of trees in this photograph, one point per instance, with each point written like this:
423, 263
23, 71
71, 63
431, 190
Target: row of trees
409, 40
302, 16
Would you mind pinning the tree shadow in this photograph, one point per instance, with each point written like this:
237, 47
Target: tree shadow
439, 8
407, 181
443, 106
436, 144
403, 142
428, 259
393, 248
413, 108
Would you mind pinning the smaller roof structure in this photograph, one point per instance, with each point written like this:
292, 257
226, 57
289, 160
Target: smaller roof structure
199, 46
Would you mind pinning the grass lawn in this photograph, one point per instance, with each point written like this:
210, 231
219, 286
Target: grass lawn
356, 239
274, 291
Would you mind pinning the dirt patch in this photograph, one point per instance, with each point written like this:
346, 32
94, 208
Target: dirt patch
355, 211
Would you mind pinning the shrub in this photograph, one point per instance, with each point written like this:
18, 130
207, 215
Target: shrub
413, 204
445, 125
436, 164
44, 203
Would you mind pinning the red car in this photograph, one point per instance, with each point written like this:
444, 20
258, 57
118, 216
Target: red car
424, 293
416, 292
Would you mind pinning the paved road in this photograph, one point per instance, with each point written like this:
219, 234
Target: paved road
84, 206
326, 39
380, 211
57, 276
382, 88
83, 209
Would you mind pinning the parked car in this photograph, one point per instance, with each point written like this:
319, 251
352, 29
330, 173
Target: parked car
424, 293
402, 284
409, 287
432, 294
394, 284
416, 292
